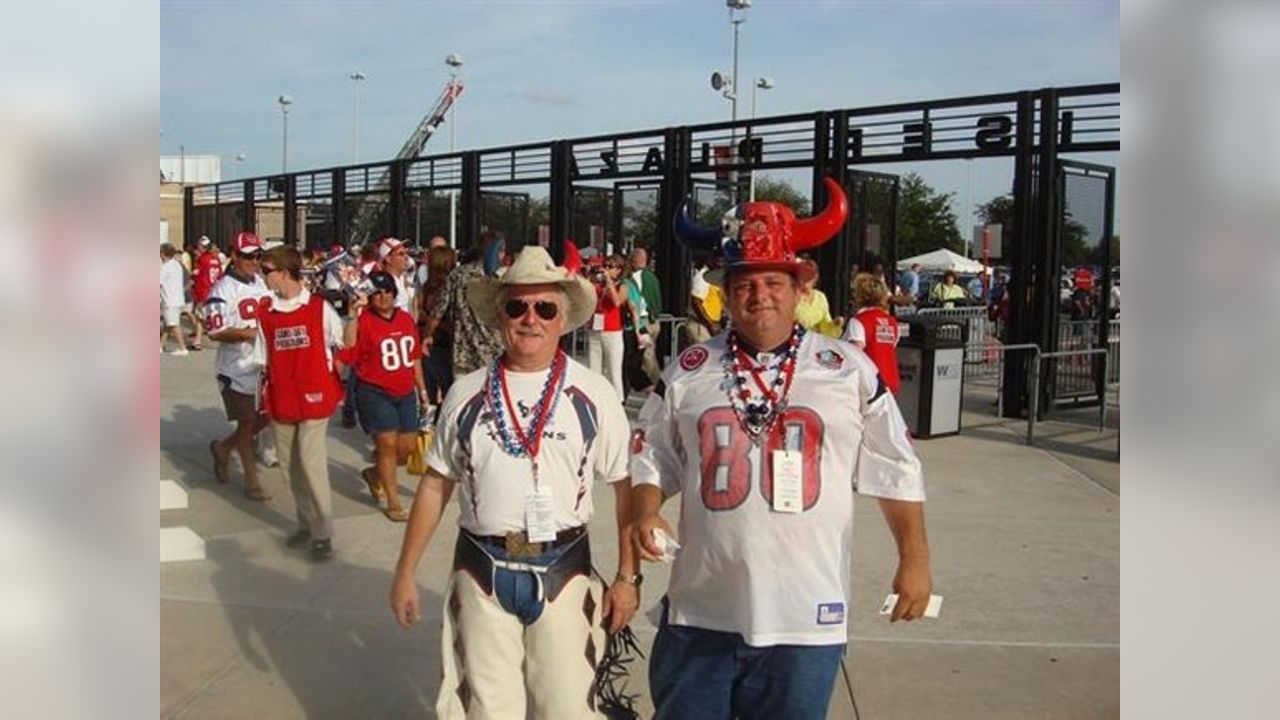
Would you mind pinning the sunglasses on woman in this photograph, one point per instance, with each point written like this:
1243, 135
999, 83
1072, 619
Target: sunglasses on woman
515, 309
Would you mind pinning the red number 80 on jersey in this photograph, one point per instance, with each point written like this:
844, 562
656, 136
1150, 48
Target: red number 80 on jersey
727, 467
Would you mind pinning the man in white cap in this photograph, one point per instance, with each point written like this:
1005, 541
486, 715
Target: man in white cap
766, 432
524, 438
393, 256
230, 316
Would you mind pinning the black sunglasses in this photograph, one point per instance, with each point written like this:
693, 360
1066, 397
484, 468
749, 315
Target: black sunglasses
268, 270
515, 309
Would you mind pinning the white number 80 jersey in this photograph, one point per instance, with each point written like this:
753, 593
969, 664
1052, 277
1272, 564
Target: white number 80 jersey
233, 304
775, 577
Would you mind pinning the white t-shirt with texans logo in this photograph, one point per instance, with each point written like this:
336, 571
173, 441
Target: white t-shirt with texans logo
584, 442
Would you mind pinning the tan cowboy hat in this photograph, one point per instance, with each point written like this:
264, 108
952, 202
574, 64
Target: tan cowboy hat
533, 266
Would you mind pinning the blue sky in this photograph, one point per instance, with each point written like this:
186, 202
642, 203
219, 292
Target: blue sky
544, 69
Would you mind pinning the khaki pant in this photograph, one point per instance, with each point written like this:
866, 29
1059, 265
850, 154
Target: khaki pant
490, 658
304, 460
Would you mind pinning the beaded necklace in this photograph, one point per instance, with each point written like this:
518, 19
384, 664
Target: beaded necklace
514, 440
758, 417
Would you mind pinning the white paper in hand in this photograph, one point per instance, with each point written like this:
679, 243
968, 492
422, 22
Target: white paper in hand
930, 611
666, 544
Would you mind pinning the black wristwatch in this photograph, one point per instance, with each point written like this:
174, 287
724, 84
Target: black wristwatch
636, 579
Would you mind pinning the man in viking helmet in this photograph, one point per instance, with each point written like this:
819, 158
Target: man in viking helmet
765, 432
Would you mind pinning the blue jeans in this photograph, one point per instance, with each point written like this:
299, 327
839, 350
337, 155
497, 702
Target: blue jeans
709, 675
382, 412
517, 592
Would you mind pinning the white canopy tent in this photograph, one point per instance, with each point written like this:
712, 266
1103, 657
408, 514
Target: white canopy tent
942, 260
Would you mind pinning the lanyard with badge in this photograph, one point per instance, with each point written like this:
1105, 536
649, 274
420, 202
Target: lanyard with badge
538, 506
758, 418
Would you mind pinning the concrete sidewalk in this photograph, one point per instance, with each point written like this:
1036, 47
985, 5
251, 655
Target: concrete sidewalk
1026, 551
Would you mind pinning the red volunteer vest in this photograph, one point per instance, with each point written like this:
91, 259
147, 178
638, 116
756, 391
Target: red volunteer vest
301, 383
386, 351
881, 331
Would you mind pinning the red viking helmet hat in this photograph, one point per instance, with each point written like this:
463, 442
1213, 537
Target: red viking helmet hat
765, 235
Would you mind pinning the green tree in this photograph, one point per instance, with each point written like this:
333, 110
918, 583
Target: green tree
925, 219
998, 211
768, 189
780, 191
640, 219
1076, 249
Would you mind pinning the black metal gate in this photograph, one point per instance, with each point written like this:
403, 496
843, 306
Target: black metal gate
873, 223
1031, 128
1086, 208
635, 215
506, 213
426, 215
592, 221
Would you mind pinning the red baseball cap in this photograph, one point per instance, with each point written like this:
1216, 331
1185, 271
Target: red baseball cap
248, 243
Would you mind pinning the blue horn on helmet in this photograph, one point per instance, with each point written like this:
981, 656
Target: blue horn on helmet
493, 256
706, 238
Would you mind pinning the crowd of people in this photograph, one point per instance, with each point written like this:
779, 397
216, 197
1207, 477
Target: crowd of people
765, 425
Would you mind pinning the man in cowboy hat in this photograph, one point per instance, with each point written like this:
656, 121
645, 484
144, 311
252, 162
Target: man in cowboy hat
766, 431
523, 439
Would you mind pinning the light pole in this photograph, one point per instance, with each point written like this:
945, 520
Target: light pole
356, 77
235, 169
454, 61
968, 212
737, 16
285, 101
764, 83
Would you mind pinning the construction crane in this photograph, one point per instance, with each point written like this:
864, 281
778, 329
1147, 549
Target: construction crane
367, 216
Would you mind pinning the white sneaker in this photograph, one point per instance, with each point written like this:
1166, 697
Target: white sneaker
180, 352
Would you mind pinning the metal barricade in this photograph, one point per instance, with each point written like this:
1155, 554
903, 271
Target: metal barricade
997, 350
1113, 354
981, 333
578, 338
673, 332
1079, 377
578, 344
1034, 408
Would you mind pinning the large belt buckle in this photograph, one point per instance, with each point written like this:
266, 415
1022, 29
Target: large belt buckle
518, 545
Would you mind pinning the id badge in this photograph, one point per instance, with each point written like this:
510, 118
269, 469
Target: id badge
788, 467
597, 321
539, 512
